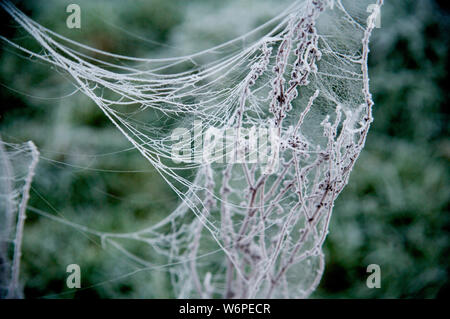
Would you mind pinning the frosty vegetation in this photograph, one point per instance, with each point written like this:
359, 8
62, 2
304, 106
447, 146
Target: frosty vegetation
240, 231
17, 166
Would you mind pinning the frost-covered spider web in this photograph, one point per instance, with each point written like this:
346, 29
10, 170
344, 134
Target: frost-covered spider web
244, 228
17, 166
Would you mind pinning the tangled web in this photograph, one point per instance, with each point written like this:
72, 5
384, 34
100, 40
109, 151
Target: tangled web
243, 229
17, 166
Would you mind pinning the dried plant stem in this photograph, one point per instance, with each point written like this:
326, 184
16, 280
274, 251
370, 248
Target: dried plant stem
14, 289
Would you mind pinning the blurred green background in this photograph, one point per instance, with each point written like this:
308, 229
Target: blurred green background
394, 212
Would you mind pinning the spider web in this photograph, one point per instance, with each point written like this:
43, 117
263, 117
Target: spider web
243, 229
